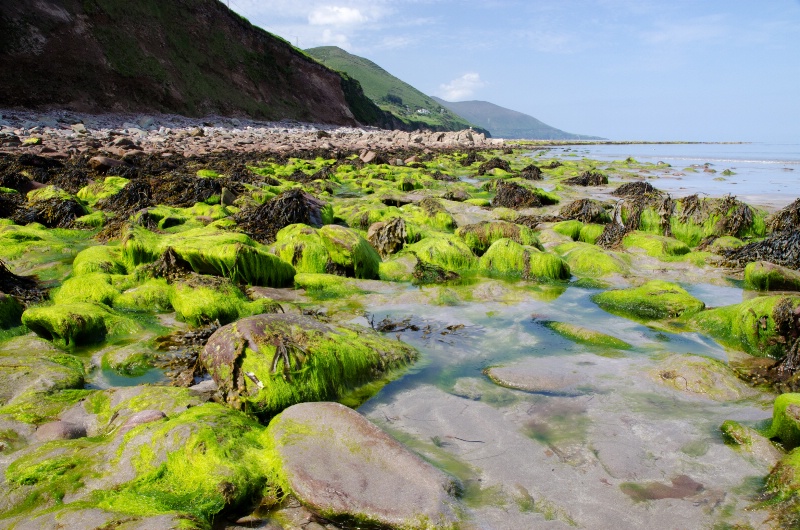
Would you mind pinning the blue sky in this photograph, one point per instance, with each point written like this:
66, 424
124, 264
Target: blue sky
621, 69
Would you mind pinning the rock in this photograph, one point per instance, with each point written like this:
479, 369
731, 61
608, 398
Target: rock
79, 128
752, 442
368, 157
28, 365
702, 377
343, 465
204, 389
197, 132
59, 430
227, 197
145, 122
766, 276
140, 418
270, 362
102, 164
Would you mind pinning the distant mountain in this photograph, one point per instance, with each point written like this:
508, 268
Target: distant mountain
507, 123
191, 57
390, 93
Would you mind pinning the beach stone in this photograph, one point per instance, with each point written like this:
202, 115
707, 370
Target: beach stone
102, 164
344, 465
59, 430
766, 276
79, 128
749, 441
140, 418
368, 157
701, 377
69, 517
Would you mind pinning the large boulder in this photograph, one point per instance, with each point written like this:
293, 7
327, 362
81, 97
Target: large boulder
266, 363
341, 465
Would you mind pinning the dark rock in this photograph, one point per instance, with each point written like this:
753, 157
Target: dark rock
343, 465
290, 207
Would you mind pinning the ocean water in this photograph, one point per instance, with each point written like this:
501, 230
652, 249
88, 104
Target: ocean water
764, 174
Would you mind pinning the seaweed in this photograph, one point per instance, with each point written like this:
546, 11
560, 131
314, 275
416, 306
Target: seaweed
531, 172
786, 219
290, 207
514, 196
494, 163
25, 289
585, 211
636, 189
183, 190
782, 248
588, 178
388, 237
10, 203
55, 212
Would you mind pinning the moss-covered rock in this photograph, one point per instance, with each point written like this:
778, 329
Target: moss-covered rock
749, 326
479, 237
571, 229
587, 336
201, 300
590, 233
266, 363
97, 191
94, 287
510, 259
99, 258
302, 246
766, 276
447, 252
654, 300
591, 261
785, 426
73, 324
655, 245
154, 295
212, 251
349, 253
750, 442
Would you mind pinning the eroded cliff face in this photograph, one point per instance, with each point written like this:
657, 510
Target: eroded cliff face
191, 57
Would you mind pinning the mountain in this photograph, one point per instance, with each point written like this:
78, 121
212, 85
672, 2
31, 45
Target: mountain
190, 57
390, 93
507, 123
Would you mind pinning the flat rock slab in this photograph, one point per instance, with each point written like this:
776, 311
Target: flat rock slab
340, 464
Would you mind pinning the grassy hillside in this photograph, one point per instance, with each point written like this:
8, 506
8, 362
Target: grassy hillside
390, 93
507, 123
191, 57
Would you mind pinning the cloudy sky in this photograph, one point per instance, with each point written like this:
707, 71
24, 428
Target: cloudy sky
623, 69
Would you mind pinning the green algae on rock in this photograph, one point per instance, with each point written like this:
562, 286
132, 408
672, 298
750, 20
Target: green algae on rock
447, 252
571, 229
10, 311
702, 377
73, 324
200, 300
510, 259
99, 258
751, 326
654, 300
586, 336
211, 251
480, 236
592, 261
655, 245
785, 424
349, 253
266, 363
302, 246
766, 276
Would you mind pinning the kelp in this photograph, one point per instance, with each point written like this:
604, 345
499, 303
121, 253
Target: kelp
588, 178
290, 207
585, 211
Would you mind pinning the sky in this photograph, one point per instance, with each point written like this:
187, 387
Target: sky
700, 70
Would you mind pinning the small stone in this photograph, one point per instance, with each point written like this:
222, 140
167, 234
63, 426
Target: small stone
368, 157
227, 197
79, 128
140, 418
196, 132
59, 430
102, 164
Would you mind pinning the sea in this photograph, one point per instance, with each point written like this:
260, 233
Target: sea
763, 174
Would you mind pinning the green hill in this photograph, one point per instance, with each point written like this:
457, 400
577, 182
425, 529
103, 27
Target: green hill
506, 123
390, 93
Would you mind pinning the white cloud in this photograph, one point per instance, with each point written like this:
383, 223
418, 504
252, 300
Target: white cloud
336, 16
329, 38
461, 87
